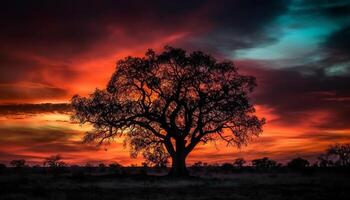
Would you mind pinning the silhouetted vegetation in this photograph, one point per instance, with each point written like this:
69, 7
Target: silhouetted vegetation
169, 103
336, 156
264, 164
21, 163
298, 164
2, 167
239, 163
297, 179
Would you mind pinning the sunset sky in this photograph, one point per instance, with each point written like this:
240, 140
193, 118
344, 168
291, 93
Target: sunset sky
299, 50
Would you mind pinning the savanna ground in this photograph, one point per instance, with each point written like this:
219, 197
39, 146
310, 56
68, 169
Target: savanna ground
245, 185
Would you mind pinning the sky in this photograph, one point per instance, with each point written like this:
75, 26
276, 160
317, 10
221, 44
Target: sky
298, 50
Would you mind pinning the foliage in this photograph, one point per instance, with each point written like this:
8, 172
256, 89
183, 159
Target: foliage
54, 162
298, 163
18, 163
336, 155
239, 162
264, 163
156, 157
171, 101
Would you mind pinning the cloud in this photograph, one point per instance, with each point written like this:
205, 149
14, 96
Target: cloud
17, 109
40, 142
296, 97
337, 45
30, 91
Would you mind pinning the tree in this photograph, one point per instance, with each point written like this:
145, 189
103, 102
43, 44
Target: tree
171, 101
264, 163
325, 161
298, 163
226, 167
54, 161
2, 167
336, 155
55, 164
156, 157
239, 162
18, 163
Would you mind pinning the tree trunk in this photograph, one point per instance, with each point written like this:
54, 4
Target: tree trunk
178, 167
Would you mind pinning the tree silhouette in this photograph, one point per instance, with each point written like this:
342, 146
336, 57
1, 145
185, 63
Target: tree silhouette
156, 157
336, 155
239, 162
171, 101
264, 163
54, 161
298, 163
21, 163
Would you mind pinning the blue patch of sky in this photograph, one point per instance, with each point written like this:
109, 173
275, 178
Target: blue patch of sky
300, 34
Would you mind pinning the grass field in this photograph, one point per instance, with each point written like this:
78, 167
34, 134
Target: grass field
213, 186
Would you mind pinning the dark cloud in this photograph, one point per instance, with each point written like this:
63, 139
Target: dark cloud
323, 136
43, 139
39, 39
30, 91
7, 157
18, 109
334, 8
65, 28
239, 25
297, 98
33, 136
338, 46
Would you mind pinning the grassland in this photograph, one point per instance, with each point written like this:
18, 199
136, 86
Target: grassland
213, 186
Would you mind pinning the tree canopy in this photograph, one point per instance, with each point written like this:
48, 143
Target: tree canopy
171, 102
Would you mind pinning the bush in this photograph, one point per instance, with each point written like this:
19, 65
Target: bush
298, 164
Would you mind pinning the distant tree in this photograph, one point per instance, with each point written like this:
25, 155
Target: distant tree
340, 154
198, 164
325, 161
171, 101
37, 166
2, 167
238, 163
264, 163
115, 165
298, 163
55, 164
116, 168
101, 167
226, 167
18, 163
89, 167
54, 161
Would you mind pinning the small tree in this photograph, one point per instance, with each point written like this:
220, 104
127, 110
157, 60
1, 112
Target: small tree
2, 167
226, 167
54, 161
102, 167
238, 163
171, 101
324, 160
55, 164
264, 163
18, 163
298, 163
340, 154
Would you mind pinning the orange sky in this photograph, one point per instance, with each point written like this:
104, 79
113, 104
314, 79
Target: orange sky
36, 136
